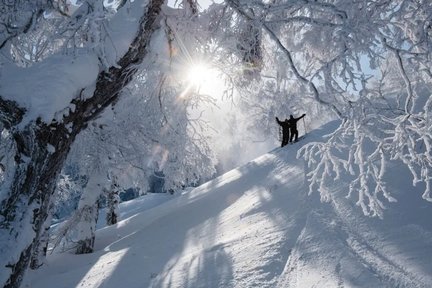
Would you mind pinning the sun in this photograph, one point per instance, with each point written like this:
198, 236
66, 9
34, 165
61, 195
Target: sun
199, 74
205, 79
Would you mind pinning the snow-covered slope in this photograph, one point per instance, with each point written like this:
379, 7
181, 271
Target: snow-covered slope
255, 226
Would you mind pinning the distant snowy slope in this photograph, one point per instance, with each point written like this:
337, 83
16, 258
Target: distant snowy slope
255, 226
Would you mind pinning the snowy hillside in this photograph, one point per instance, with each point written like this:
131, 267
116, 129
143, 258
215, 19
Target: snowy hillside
255, 226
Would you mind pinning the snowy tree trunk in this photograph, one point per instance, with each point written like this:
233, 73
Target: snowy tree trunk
87, 228
41, 150
41, 247
113, 200
25, 210
87, 215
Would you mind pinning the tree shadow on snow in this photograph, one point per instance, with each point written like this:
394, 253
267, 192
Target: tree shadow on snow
155, 252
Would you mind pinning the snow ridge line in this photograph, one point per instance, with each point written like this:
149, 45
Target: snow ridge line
289, 272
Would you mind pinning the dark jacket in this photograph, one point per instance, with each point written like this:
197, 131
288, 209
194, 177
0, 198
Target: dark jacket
292, 122
285, 124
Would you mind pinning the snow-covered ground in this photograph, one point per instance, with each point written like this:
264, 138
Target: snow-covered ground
255, 226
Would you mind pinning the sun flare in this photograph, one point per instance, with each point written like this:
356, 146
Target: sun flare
199, 74
203, 78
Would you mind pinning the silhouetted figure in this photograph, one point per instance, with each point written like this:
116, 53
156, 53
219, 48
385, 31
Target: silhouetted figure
293, 127
285, 130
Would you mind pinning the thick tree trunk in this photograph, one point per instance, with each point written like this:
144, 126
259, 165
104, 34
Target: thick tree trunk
25, 210
40, 248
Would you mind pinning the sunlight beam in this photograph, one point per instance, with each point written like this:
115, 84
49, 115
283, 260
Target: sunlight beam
198, 74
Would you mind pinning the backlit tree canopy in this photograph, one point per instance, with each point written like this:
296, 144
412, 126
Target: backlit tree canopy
105, 82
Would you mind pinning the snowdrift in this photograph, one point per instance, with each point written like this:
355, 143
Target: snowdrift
256, 226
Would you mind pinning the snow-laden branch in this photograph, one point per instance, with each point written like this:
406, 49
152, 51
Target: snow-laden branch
412, 144
370, 143
409, 101
12, 25
312, 87
10, 113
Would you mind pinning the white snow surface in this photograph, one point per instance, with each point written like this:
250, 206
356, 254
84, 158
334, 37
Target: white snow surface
255, 226
47, 88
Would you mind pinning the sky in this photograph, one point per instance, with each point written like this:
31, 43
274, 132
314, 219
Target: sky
256, 226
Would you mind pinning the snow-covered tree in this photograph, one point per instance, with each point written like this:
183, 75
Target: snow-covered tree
42, 138
113, 200
84, 223
335, 55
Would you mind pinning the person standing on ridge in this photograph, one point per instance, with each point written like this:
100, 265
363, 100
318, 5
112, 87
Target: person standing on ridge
285, 131
293, 127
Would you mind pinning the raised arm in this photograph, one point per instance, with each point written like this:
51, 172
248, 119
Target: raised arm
300, 117
278, 121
